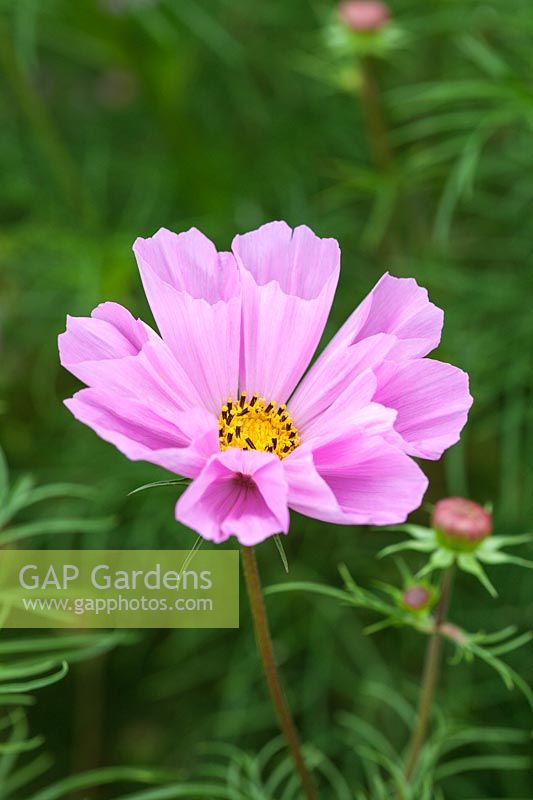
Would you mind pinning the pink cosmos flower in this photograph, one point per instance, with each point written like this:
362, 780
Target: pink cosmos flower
222, 396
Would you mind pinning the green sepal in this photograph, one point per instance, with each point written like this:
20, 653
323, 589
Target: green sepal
440, 559
470, 564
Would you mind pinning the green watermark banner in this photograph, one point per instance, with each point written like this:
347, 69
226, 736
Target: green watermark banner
119, 588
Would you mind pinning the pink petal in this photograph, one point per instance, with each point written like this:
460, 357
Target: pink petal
352, 408
190, 263
288, 282
182, 444
141, 399
238, 493
373, 482
309, 493
134, 330
194, 294
339, 375
397, 306
432, 401
109, 333
134, 363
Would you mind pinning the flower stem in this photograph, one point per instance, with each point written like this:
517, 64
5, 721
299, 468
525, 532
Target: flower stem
266, 652
375, 119
430, 677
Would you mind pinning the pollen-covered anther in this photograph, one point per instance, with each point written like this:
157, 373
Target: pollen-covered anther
256, 424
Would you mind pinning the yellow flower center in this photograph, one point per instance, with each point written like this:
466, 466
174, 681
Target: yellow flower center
257, 425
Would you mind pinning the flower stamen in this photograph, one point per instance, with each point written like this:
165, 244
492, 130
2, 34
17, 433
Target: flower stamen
257, 425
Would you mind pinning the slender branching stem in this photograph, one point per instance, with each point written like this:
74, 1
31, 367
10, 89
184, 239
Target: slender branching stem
266, 652
378, 135
430, 677
377, 128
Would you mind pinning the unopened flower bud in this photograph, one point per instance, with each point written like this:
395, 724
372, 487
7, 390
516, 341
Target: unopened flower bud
417, 598
461, 524
364, 15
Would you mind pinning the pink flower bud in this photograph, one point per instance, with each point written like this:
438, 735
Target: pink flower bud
461, 524
364, 15
416, 598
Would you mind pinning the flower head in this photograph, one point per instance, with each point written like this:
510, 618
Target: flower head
461, 524
461, 534
417, 598
221, 395
364, 15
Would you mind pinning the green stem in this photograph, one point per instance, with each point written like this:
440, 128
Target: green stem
379, 233
375, 118
430, 678
266, 652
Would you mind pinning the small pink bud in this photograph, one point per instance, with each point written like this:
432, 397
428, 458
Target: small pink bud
461, 524
364, 15
416, 598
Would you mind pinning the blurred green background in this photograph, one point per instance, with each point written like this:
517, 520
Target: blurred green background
414, 148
